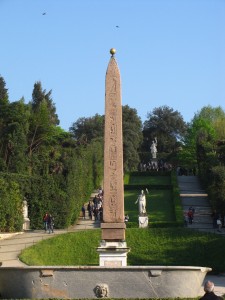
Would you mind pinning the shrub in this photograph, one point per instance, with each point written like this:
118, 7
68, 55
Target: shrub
216, 189
11, 215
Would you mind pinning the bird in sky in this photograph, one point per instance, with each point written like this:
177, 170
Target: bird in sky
117, 26
44, 13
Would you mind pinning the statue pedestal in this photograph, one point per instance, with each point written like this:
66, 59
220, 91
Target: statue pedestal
26, 224
143, 221
113, 254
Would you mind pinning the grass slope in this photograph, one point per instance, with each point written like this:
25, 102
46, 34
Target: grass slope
159, 205
153, 246
157, 246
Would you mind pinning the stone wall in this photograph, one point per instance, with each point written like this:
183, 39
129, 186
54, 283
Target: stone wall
101, 282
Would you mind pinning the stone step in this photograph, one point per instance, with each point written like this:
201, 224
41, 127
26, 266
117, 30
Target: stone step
196, 225
205, 208
195, 202
212, 231
189, 193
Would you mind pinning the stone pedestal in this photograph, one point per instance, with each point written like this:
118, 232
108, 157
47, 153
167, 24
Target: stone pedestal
113, 254
26, 224
143, 221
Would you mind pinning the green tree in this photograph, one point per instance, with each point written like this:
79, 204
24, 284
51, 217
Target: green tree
167, 125
204, 141
85, 130
38, 96
200, 135
216, 189
4, 103
212, 114
13, 135
4, 99
40, 137
132, 138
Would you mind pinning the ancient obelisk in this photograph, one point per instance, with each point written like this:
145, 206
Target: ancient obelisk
113, 249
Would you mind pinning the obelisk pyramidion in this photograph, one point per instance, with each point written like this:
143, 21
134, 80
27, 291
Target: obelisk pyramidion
113, 226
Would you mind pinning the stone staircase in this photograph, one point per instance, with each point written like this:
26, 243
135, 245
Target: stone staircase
193, 195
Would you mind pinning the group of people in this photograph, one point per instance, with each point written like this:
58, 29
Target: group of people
186, 172
95, 207
152, 165
48, 221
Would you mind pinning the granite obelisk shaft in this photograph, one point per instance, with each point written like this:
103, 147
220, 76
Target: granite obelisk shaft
113, 227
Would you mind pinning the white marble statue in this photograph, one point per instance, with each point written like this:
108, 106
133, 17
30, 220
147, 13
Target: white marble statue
142, 203
153, 148
26, 220
25, 209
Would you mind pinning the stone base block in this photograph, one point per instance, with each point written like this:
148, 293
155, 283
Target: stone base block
113, 254
143, 221
26, 224
113, 231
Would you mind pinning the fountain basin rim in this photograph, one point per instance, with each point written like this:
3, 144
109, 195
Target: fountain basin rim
128, 268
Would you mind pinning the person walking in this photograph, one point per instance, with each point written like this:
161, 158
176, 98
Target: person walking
83, 211
50, 224
219, 223
45, 220
190, 216
90, 210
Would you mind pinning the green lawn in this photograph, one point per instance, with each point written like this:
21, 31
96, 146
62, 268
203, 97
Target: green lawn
150, 246
149, 180
159, 205
154, 246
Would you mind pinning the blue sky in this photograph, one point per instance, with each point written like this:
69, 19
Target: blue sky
170, 52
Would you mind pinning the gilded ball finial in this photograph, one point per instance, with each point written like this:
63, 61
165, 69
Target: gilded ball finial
112, 51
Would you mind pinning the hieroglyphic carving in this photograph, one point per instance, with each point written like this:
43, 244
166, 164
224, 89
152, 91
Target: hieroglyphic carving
114, 85
113, 163
113, 148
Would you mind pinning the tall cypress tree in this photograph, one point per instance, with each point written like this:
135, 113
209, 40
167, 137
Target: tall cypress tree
3, 92
38, 96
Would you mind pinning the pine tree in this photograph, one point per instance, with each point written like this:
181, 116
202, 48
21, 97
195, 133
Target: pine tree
3, 92
38, 96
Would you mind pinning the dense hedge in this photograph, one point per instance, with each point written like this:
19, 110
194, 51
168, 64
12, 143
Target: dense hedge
11, 216
216, 189
61, 195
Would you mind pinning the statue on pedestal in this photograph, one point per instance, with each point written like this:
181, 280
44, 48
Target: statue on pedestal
142, 203
26, 220
153, 148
